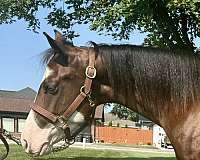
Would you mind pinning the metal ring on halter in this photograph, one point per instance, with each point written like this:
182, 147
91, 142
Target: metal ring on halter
82, 89
71, 141
92, 104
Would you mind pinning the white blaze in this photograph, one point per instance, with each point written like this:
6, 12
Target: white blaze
48, 72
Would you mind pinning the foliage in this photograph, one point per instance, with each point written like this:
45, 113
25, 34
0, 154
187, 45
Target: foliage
99, 123
110, 124
169, 23
124, 113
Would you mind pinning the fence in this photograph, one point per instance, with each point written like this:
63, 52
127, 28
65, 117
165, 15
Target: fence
124, 135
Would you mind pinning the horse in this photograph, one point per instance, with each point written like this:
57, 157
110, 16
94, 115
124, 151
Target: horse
160, 84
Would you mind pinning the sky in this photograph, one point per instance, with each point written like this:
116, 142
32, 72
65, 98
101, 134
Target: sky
20, 49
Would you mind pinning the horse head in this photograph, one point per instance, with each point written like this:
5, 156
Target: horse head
66, 96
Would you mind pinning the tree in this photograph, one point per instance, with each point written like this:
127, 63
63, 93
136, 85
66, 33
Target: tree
169, 23
124, 113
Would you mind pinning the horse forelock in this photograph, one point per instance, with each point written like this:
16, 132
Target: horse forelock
153, 77
47, 55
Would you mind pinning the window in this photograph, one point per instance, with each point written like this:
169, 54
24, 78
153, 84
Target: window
21, 123
8, 124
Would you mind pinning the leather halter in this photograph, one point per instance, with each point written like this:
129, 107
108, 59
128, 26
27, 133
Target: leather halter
61, 120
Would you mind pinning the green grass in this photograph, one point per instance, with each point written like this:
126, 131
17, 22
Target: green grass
17, 153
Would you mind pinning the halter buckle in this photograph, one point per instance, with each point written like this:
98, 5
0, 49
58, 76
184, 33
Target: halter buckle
61, 122
94, 73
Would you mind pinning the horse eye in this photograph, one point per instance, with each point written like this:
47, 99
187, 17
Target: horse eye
50, 88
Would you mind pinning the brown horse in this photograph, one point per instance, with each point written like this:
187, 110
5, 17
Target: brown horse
163, 85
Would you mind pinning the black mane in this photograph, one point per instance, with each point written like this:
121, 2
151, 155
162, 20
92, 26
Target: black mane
153, 77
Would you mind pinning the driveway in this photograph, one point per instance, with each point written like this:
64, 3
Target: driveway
121, 148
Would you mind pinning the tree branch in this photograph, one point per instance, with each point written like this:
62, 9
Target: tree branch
184, 30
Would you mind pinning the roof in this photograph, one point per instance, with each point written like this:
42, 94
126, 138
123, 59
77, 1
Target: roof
144, 119
26, 93
115, 121
16, 101
14, 105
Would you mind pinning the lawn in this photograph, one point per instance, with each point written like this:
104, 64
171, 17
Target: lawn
16, 153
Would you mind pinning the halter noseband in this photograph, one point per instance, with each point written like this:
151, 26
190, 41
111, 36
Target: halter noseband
85, 91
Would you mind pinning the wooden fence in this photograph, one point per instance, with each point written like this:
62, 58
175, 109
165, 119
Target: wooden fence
123, 135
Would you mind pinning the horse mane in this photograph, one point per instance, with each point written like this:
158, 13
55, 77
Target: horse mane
153, 77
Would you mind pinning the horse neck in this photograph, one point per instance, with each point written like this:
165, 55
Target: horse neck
129, 99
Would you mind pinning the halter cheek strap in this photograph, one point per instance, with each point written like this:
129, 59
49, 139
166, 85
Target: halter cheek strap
85, 90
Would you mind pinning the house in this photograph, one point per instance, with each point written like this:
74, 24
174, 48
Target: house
160, 138
144, 122
113, 120
14, 108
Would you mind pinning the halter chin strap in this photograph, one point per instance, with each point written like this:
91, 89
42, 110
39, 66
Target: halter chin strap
61, 120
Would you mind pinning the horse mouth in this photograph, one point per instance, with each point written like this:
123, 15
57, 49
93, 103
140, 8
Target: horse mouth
44, 150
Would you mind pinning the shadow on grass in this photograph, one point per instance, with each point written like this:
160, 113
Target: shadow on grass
103, 158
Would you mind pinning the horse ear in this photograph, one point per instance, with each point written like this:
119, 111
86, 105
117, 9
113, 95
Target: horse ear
58, 37
54, 44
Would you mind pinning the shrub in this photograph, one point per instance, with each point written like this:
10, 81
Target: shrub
110, 124
149, 143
